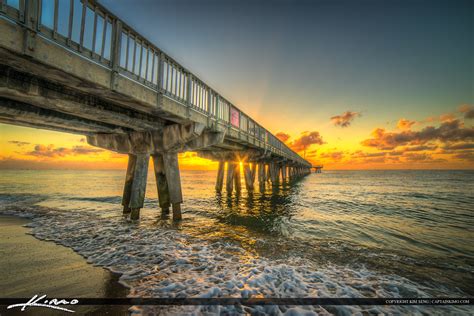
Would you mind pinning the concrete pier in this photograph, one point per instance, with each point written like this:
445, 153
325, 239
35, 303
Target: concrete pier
51, 81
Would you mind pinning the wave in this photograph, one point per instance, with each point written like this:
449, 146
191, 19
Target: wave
167, 262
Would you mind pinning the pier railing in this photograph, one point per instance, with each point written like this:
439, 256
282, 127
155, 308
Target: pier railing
92, 31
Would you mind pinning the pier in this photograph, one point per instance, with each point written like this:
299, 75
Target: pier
74, 67
317, 169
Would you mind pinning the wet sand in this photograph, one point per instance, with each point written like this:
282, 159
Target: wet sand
29, 266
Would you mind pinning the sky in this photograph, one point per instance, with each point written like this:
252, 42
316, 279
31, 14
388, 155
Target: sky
347, 84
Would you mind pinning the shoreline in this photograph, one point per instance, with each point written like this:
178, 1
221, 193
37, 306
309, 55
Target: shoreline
30, 266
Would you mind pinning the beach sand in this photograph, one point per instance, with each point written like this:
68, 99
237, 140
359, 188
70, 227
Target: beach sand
29, 266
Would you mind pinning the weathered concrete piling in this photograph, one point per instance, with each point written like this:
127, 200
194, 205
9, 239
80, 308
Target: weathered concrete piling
162, 184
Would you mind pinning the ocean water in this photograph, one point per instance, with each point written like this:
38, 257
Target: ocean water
336, 234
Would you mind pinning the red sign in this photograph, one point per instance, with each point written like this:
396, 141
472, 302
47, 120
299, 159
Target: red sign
234, 117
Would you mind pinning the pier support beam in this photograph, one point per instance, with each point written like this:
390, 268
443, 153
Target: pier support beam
274, 173
261, 176
127, 189
283, 173
173, 178
220, 176
237, 182
254, 171
249, 177
230, 177
138, 188
161, 184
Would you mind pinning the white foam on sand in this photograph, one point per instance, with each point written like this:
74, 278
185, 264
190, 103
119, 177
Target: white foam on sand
160, 262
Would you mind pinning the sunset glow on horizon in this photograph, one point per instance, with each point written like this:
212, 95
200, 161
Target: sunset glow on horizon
443, 142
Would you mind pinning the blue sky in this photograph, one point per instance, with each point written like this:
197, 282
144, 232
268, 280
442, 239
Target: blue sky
314, 59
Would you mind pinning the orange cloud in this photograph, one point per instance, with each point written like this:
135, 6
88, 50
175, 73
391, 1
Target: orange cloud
333, 155
50, 152
345, 119
449, 131
18, 143
305, 140
405, 124
468, 111
448, 117
469, 156
282, 136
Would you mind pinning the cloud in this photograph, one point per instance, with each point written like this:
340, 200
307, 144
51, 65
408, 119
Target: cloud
468, 111
421, 157
345, 119
459, 146
18, 143
84, 150
312, 153
448, 117
305, 140
361, 154
420, 148
450, 131
282, 136
334, 155
49, 151
468, 155
405, 124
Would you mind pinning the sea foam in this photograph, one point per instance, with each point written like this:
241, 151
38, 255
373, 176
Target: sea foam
164, 262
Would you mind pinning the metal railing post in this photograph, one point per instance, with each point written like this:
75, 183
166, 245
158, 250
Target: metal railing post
217, 107
115, 52
31, 22
189, 96
115, 45
161, 69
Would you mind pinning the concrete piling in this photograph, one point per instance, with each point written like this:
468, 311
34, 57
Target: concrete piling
173, 178
274, 170
220, 176
283, 173
261, 176
137, 196
161, 184
127, 189
237, 182
249, 178
254, 171
230, 177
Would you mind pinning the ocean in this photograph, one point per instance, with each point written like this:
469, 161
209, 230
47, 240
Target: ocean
335, 234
